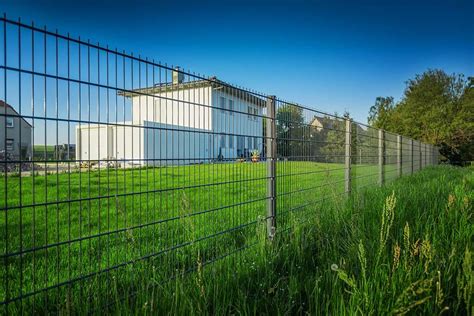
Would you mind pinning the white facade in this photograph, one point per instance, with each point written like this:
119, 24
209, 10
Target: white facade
100, 141
244, 130
181, 126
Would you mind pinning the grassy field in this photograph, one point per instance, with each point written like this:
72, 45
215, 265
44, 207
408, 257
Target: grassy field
404, 248
41, 152
109, 229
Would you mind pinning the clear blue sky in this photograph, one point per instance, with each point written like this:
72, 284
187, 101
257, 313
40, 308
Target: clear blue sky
328, 55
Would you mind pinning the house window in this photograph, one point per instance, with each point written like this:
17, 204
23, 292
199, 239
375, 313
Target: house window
9, 144
231, 107
255, 143
222, 141
240, 145
255, 111
231, 141
249, 112
222, 104
249, 142
9, 121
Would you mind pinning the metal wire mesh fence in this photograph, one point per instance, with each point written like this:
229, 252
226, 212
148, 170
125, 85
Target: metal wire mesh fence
113, 164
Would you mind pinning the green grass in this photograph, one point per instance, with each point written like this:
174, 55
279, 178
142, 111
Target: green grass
43, 148
190, 214
43, 152
405, 248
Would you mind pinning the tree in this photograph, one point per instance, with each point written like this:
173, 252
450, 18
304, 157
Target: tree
289, 130
436, 108
462, 128
334, 147
380, 112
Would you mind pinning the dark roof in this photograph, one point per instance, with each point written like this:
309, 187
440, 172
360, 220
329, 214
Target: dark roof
212, 82
3, 103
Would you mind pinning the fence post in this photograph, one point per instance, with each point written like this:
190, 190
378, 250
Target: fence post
381, 157
411, 156
399, 155
430, 157
348, 156
271, 167
427, 158
433, 154
420, 144
422, 155
433, 148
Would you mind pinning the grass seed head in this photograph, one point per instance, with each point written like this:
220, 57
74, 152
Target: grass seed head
439, 292
396, 257
465, 281
388, 215
415, 248
451, 200
426, 253
362, 260
406, 244
465, 205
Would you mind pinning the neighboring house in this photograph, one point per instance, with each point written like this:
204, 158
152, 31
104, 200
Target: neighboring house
179, 123
15, 133
320, 123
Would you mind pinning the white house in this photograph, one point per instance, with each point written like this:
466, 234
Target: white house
179, 123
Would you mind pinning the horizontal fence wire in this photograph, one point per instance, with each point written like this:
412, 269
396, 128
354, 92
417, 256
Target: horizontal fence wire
116, 167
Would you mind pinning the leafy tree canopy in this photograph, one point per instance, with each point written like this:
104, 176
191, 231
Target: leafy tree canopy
289, 129
436, 108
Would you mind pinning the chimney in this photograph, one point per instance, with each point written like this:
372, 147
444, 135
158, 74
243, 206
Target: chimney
178, 77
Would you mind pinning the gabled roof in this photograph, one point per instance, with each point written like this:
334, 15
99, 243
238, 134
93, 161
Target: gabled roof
3, 103
328, 123
212, 82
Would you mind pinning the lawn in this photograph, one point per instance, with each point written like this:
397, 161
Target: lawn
402, 249
43, 152
111, 227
